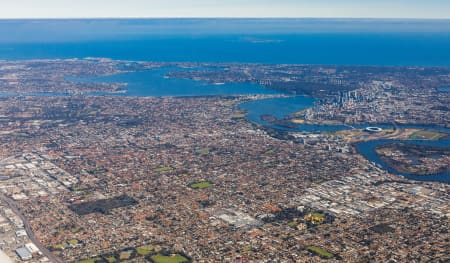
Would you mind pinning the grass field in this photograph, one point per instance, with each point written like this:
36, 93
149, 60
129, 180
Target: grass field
201, 185
292, 224
79, 188
169, 259
203, 151
91, 260
60, 246
125, 255
75, 230
319, 215
163, 169
427, 135
270, 152
144, 250
73, 242
238, 116
111, 259
323, 253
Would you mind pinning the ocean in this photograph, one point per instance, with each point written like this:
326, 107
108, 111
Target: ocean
290, 41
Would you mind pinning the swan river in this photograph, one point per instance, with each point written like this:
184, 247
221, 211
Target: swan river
383, 42
154, 83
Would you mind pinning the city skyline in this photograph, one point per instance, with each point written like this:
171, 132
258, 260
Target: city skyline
434, 9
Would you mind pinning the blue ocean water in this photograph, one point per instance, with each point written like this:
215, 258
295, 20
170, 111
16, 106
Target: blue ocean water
303, 41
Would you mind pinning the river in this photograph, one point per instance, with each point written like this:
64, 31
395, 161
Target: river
153, 83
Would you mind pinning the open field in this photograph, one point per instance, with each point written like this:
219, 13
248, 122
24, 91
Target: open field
111, 259
144, 250
323, 253
124, 255
238, 116
428, 135
163, 169
91, 260
201, 185
175, 258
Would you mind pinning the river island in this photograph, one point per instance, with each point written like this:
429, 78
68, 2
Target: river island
106, 161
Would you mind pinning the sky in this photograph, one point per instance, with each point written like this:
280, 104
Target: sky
225, 8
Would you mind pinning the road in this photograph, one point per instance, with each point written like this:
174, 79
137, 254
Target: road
29, 231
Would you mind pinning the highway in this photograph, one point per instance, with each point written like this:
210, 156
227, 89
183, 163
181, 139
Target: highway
29, 231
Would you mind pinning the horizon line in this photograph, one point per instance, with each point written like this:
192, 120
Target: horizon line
230, 18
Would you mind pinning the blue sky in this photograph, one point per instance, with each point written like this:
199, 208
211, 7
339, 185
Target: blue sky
225, 8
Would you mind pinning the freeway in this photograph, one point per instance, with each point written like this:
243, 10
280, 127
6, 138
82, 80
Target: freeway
29, 231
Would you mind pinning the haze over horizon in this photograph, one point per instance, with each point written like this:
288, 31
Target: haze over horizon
419, 9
